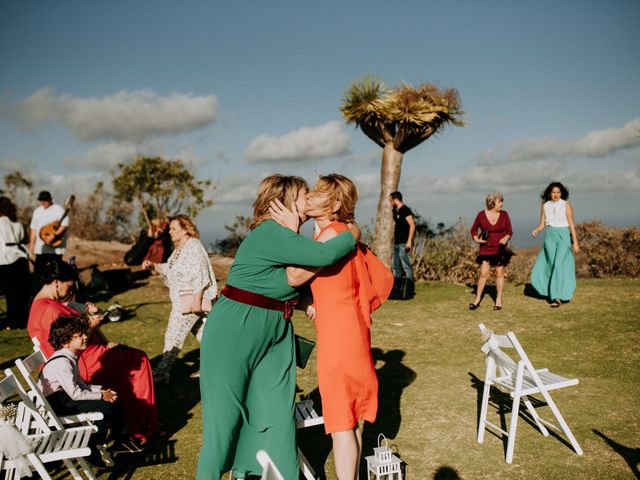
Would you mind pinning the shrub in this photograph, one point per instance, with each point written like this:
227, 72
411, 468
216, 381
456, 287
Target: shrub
237, 233
610, 252
449, 256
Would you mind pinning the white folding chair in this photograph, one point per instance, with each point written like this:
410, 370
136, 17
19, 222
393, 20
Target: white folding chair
67, 445
36, 344
32, 364
306, 416
269, 469
520, 379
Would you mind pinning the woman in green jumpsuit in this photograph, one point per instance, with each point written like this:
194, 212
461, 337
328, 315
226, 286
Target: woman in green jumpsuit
247, 357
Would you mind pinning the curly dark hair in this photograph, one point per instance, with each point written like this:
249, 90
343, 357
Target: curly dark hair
546, 195
63, 330
58, 269
8, 209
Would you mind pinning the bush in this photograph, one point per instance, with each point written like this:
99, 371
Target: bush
449, 256
237, 233
610, 252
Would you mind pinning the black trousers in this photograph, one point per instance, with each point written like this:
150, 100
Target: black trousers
63, 404
15, 283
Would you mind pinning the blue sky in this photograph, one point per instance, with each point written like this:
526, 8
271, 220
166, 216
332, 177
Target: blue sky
244, 89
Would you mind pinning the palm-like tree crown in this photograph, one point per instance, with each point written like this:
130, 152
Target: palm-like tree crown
404, 115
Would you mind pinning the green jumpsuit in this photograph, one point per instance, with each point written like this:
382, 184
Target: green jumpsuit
247, 357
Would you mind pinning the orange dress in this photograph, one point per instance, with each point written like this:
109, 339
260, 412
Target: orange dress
346, 372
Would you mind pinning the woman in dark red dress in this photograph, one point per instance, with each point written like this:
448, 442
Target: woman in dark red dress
118, 367
492, 231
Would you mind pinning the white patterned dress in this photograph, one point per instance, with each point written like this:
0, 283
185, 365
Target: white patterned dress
188, 270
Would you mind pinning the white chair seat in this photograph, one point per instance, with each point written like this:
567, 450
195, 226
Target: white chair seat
551, 381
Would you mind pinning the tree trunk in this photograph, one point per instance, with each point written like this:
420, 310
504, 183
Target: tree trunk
389, 180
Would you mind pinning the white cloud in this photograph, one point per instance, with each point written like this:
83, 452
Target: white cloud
107, 156
306, 143
596, 144
11, 164
125, 115
237, 190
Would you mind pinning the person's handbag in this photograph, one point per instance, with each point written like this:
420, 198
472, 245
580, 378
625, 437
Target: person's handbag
186, 300
304, 347
484, 235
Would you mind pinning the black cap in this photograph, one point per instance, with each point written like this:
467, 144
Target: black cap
44, 196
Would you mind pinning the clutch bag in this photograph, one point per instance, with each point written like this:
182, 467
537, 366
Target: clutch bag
186, 300
304, 347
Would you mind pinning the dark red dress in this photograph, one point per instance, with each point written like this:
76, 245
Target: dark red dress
492, 251
123, 369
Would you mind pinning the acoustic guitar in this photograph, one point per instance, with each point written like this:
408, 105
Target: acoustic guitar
48, 232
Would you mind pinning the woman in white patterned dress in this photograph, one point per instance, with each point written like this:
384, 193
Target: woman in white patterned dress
192, 289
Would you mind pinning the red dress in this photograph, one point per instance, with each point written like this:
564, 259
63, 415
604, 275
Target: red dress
346, 372
493, 251
124, 369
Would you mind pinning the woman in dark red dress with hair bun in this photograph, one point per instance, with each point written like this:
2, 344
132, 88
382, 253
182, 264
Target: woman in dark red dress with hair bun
492, 231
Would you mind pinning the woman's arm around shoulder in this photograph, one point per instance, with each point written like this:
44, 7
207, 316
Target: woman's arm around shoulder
297, 276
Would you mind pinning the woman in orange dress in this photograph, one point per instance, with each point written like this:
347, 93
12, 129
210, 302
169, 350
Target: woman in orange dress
341, 310
123, 369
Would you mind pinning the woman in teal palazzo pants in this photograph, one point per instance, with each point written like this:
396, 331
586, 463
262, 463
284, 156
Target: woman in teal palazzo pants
247, 357
554, 273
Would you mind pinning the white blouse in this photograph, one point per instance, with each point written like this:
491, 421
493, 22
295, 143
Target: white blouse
555, 213
13, 233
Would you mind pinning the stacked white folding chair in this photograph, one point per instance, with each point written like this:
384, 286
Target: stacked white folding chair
68, 445
269, 469
306, 416
32, 364
520, 379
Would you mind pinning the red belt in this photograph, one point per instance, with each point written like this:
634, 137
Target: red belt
257, 300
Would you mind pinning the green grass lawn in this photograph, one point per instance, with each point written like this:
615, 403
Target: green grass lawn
429, 365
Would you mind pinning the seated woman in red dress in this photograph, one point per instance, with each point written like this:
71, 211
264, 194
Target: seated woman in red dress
123, 369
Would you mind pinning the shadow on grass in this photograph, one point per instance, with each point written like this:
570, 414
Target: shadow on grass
175, 402
531, 292
502, 403
446, 473
393, 378
630, 455
156, 453
489, 291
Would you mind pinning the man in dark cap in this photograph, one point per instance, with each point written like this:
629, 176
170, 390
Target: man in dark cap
49, 215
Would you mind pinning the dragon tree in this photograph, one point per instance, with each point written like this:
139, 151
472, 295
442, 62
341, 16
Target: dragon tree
397, 119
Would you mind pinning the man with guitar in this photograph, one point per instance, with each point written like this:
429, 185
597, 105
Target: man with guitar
47, 236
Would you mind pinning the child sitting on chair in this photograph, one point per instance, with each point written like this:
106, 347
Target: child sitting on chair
68, 394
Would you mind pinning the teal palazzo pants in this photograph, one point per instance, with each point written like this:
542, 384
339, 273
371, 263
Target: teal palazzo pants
554, 273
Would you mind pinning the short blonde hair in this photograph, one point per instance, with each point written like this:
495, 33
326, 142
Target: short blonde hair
282, 187
491, 199
338, 188
187, 225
